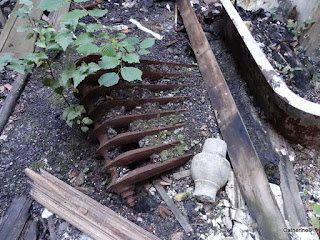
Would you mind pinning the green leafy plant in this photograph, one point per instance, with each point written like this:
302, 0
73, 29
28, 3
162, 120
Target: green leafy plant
274, 14
315, 222
118, 51
299, 28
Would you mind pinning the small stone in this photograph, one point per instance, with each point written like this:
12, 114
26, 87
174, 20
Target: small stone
177, 236
46, 213
4, 137
80, 179
63, 226
227, 222
85, 237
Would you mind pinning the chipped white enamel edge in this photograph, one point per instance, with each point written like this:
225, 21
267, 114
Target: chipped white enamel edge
281, 89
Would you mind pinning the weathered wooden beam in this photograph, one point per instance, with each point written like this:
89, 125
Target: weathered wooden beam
293, 206
244, 159
89, 216
15, 218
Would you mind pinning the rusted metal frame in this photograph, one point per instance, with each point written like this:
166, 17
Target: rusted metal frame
103, 91
125, 120
147, 171
244, 159
131, 137
136, 155
130, 104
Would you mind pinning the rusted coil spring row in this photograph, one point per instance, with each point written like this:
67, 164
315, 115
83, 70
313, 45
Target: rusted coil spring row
89, 89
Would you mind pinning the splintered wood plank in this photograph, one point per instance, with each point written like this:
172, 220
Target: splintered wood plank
293, 206
16, 43
89, 216
15, 218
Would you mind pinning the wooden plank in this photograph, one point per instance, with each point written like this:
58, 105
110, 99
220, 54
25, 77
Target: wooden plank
182, 174
58, 15
175, 210
293, 206
7, 28
244, 159
10, 102
15, 218
16, 43
96, 220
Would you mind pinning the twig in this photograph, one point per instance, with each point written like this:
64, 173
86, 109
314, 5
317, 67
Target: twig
156, 35
177, 213
89, 5
11, 99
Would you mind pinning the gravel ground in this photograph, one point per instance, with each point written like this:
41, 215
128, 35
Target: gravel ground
37, 137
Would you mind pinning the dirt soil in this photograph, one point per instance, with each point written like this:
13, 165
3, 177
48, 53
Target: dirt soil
36, 137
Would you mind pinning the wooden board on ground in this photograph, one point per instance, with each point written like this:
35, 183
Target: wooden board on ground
89, 216
15, 218
13, 42
293, 206
58, 15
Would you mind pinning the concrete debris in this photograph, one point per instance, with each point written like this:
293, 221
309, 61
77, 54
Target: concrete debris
234, 194
46, 214
278, 196
254, 5
177, 236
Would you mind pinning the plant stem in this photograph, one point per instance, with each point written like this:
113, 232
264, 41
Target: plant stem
53, 77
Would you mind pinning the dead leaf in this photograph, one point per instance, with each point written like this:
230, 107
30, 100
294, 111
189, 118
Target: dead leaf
2, 88
8, 86
163, 183
83, 210
20, 107
125, 30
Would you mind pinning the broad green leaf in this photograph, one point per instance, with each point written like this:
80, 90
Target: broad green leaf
87, 49
104, 35
78, 77
98, 12
109, 62
74, 15
316, 208
143, 51
108, 49
87, 121
41, 44
108, 79
132, 40
315, 222
64, 39
148, 42
130, 48
131, 73
67, 75
120, 35
123, 44
84, 38
131, 58
93, 27
93, 67
84, 129
29, 35
79, 1
18, 68
4, 60
51, 5
23, 29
